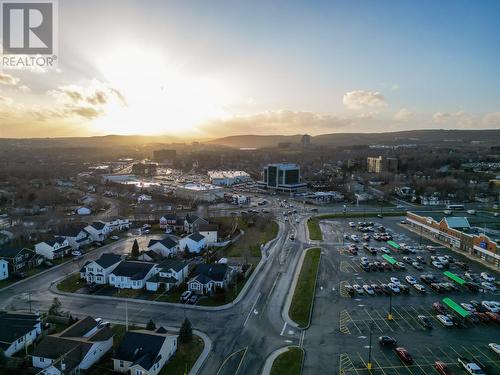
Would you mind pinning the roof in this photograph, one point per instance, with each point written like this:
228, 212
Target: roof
98, 225
457, 222
54, 347
54, 240
168, 242
208, 227
169, 217
80, 328
133, 269
72, 229
203, 279
196, 236
192, 218
108, 259
11, 251
141, 347
160, 279
216, 272
153, 255
16, 325
174, 264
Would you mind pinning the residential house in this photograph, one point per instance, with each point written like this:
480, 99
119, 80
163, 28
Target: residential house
18, 330
168, 221
98, 230
172, 272
4, 269
98, 271
54, 248
209, 231
132, 274
194, 243
210, 277
144, 352
150, 256
119, 224
167, 246
192, 222
78, 347
20, 258
76, 234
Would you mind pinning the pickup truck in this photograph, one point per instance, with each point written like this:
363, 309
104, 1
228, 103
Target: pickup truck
470, 367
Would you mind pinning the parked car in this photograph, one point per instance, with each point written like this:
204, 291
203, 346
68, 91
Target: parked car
444, 320
387, 341
410, 280
368, 289
491, 306
468, 307
404, 355
417, 266
420, 288
488, 286
358, 288
114, 238
470, 367
438, 265
394, 288
439, 308
186, 295
486, 276
377, 289
425, 321
495, 348
76, 253
385, 250
395, 280
349, 289
193, 299
494, 317
442, 368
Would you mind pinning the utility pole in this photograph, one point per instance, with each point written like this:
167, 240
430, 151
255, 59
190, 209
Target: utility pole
369, 363
126, 316
29, 298
389, 315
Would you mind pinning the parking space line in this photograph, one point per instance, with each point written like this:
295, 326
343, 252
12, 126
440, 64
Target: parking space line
373, 320
486, 355
384, 320
396, 321
402, 318
389, 361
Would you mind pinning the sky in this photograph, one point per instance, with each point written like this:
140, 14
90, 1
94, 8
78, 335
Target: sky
207, 69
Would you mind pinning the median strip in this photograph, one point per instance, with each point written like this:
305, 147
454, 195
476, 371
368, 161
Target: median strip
289, 362
303, 297
314, 229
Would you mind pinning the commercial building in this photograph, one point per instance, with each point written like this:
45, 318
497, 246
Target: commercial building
144, 169
306, 140
381, 164
226, 178
199, 192
282, 177
164, 156
460, 233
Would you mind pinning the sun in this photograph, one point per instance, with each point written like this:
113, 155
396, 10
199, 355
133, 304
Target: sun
160, 97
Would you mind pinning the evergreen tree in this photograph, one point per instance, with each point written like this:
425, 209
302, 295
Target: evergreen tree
151, 326
135, 249
186, 332
55, 308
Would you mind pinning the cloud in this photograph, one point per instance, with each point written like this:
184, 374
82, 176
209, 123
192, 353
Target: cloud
8, 80
402, 115
360, 99
96, 93
395, 87
460, 118
491, 119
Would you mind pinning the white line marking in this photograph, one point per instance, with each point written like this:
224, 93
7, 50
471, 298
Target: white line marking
252, 309
283, 329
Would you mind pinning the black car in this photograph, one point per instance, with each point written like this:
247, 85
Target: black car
425, 321
462, 265
349, 289
387, 341
473, 287
404, 289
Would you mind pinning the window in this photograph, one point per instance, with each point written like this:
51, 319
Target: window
121, 364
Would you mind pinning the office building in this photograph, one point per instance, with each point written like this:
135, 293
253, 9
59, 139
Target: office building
381, 164
164, 156
306, 140
282, 177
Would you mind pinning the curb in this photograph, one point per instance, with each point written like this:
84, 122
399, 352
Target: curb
268, 365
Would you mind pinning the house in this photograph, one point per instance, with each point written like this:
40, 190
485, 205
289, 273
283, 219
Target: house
209, 231
210, 277
56, 247
119, 224
144, 352
4, 269
194, 243
192, 222
83, 211
172, 272
76, 234
168, 221
150, 256
132, 274
98, 271
167, 247
20, 258
18, 330
78, 347
98, 230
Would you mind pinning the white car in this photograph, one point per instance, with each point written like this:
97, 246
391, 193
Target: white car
468, 307
352, 224
489, 286
419, 287
76, 253
355, 238
385, 250
368, 289
114, 238
411, 250
358, 288
444, 320
438, 265
443, 260
410, 280
491, 306
395, 281
494, 347
487, 277
394, 288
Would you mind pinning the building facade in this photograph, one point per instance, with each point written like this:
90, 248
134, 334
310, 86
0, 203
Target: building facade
282, 177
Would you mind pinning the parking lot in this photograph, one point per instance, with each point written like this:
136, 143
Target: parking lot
355, 315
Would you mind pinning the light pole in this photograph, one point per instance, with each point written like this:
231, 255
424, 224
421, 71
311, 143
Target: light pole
369, 363
389, 315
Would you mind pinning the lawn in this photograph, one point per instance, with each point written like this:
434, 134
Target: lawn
71, 284
314, 229
184, 358
288, 363
303, 295
127, 293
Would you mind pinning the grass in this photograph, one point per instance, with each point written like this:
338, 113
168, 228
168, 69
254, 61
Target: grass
71, 284
185, 357
314, 229
127, 293
226, 297
360, 214
303, 296
288, 363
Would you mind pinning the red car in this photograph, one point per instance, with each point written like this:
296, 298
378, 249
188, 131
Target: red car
404, 355
493, 316
442, 368
440, 308
482, 317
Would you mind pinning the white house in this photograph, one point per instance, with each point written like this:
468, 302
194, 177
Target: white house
192, 222
144, 352
54, 248
167, 246
119, 224
194, 243
171, 273
76, 234
98, 271
83, 211
78, 347
98, 230
209, 231
4, 269
18, 330
210, 277
132, 274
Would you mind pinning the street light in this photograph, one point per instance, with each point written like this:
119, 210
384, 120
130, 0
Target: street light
389, 315
369, 363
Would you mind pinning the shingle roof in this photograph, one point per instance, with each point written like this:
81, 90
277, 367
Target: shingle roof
192, 218
174, 264
133, 269
98, 225
197, 237
208, 227
71, 229
108, 259
79, 328
168, 242
11, 251
14, 325
54, 347
216, 272
54, 240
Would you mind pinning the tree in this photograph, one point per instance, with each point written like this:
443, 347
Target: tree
3, 362
186, 332
151, 326
135, 249
55, 308
187, 253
